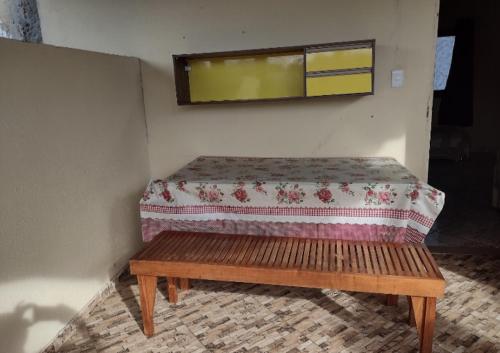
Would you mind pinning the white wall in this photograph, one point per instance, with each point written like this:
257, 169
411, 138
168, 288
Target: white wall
394, 122
73, 163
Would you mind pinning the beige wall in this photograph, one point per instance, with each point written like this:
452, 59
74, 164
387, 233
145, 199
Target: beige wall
73, 163
394, 122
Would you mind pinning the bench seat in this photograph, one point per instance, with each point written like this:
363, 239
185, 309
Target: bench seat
385, 268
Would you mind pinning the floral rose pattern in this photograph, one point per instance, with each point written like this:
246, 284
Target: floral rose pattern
323, 193
434, 196
209, 193
345, 188
146, 196
239, 192
158, 188
418, 190
181, 185
259, 187
289, 193
379, 195
150, 190
414, 192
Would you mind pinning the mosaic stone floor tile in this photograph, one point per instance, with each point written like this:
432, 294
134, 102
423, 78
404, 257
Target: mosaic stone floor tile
244, 318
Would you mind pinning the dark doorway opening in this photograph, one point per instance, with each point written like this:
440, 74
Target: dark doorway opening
465, 138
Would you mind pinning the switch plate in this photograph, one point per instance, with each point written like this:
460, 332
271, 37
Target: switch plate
397, 78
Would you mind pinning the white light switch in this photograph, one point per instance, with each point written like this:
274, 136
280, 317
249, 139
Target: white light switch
397, 78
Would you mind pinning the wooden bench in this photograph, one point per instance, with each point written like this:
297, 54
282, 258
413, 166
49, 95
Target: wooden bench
392, 269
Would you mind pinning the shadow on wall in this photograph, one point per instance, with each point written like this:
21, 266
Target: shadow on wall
65, 277
25, 315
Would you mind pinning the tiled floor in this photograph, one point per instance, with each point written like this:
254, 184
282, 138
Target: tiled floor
230, 317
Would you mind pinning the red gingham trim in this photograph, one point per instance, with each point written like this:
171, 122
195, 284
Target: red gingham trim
420, 219
414, 236
293, 211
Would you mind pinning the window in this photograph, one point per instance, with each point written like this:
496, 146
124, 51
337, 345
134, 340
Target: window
19, 20
444, 54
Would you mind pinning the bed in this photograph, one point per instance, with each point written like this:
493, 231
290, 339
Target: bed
367, 199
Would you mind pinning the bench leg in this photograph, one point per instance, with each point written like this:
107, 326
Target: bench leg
184, 283
147, 291
392, 300
411, 315
172, 289
424, 310
429, 322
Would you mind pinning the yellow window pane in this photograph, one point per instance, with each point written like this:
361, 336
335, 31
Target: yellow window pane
339, 84
248, 77
339, 59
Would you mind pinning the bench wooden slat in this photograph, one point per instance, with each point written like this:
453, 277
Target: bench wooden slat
368, 262
427, 264
248, 251
260, 255
250, 258
305, 259
191, 247
210, 248
373, 255
402, 260
286, 254
409, 260
293, 254
221, 251
300, 253
242, 250
361, 260
326, 256
351, 258
312, 256
381, 260
416, 259
395, 260
333, 257
280, 253
267, 254
345, 257
201, 249
184, 245
153, 250
232, 249
164, 248
172, 250
236, 251
432, 263
338, 252
388, 260
276, 247
319, 255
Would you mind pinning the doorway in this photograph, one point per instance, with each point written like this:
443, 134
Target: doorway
464, 157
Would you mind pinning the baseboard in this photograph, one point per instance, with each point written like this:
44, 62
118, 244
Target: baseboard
108, 288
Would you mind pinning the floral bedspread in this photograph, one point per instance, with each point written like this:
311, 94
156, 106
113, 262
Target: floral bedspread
343, 191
